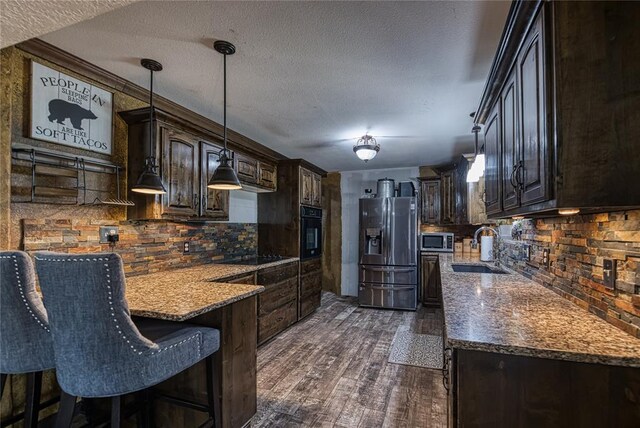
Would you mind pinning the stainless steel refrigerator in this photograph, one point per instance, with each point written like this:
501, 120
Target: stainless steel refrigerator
388, 270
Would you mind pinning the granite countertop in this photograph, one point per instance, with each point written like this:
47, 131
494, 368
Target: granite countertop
180, 294
511, 314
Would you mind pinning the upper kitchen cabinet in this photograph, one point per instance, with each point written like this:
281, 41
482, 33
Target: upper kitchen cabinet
430, 205
559, 110
445, 196
214, 203
255, 174
310, 188
187, 156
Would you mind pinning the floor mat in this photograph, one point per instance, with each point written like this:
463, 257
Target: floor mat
411, 349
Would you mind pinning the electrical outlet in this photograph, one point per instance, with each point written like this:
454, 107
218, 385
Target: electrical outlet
609, 273
185, 249
527, 252
109, 234
545, 257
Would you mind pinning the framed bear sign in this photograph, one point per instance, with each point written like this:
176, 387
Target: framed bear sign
68, 111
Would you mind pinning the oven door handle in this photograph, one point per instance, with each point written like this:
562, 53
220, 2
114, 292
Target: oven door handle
389, 269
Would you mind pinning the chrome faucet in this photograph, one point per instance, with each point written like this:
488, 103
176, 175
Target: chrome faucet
474, 243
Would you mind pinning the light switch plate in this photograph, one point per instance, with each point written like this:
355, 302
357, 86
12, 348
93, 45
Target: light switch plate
105, 231
609, 273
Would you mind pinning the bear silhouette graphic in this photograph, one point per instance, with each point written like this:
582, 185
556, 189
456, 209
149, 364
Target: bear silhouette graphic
59, 110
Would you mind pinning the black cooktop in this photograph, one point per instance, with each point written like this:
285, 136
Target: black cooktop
259, 260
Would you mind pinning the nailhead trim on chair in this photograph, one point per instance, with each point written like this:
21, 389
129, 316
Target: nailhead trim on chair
112, 309
21, 290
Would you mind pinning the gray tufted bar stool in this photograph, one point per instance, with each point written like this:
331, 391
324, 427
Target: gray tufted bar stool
99, 351
25, 340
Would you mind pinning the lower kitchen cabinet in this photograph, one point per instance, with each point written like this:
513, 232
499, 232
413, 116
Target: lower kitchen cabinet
430, 287
487, 389
310, 286
278, 303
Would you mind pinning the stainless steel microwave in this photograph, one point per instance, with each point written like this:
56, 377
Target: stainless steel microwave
437, 241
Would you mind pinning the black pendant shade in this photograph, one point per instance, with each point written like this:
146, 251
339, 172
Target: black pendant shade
224, 177
149, 181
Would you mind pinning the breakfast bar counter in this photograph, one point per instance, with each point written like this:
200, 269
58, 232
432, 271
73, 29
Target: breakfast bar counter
189, 295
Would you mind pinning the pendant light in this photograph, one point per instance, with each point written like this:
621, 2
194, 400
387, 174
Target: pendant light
366, 148
149, 181
224, 177
477, 167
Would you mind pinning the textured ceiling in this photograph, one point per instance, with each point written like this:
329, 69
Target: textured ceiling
21, 20
310, 77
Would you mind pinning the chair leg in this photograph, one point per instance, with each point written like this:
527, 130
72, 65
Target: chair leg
32, 406
142, 414
213, 395
116, 409
66, 410
3, 381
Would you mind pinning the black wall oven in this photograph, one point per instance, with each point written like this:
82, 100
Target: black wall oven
310, 232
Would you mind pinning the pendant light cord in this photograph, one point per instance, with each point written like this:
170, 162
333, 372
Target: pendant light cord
225, 103
151, 151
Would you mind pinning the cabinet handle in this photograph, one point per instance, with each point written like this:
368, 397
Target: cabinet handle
203, 203
196, 200
515, 177
446, 357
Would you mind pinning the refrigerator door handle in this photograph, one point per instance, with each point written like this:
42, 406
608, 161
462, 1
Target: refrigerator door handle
388, 269
381, 287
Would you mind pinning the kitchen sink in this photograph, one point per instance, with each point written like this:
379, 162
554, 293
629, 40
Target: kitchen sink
476, 269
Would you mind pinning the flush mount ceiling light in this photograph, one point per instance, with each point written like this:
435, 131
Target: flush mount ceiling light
366, 148
224, 177
477, 167
149, 181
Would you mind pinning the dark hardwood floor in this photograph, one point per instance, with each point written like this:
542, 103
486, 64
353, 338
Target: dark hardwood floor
331, 370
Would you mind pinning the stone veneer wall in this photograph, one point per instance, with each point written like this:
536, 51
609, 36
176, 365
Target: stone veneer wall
145, 246
578, 245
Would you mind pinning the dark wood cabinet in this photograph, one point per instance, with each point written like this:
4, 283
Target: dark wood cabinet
310, 286
214, 203
492, 152
430, 204
447, 191
489, 389
267, 176
559, 108
316, 194
310, 188
430, 287
278, 303
532, 115
179, 161
247, 169
461, 192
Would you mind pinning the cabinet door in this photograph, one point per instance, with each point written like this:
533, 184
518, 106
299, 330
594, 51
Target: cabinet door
461, 192
492, 153
447, 191
306, 186
535, 187
316, 198
215, 203
430, 283
267, 175
511, 166
247, 169
180, 173
430, 210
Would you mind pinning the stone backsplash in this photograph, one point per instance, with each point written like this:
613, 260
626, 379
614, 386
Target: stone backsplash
145, 246
578, 245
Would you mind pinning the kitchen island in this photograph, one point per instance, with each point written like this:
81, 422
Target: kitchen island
198, 295
518, 354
